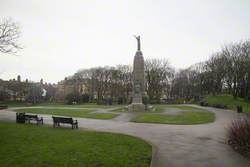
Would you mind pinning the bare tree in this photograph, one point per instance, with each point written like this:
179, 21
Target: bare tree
9, 35
158, 75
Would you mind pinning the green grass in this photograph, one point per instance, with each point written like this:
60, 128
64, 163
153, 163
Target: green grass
84, 113
14, 104
229, 101
185, 118
85, 105
24, 145
162, 107
157, 108
192, 115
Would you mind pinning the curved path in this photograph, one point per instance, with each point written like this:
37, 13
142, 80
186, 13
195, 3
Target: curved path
174, 145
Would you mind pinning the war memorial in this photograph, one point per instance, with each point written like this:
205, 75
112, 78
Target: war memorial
138, 80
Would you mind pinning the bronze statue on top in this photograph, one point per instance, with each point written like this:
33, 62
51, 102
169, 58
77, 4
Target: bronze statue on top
138, 42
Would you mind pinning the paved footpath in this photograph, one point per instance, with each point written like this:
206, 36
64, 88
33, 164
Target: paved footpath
174, 145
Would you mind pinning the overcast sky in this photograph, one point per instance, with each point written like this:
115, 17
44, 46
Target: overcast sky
60, 37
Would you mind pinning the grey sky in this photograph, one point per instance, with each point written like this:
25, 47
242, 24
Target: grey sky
60, 37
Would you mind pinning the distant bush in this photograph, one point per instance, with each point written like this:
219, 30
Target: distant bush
203, 103
120, 100
145, 99
92, 100
239, 109
222, 106
179, 101
85, 98
72, 98
106, 101
153, 101
206, 104
239, 135
192, 101
4, 95
109, 101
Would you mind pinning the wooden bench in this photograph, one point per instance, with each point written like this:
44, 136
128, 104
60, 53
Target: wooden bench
23, 117
64, 120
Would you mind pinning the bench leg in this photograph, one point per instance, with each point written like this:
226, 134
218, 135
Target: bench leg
76, 124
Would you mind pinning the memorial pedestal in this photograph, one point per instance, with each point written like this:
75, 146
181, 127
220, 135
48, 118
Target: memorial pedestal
136, 107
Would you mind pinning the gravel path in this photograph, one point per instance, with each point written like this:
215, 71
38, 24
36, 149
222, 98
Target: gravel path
174, 145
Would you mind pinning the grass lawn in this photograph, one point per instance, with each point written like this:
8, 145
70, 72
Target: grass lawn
24, 145
192, 115
86, 105
84, 113
157, 108
229, 101
163, 107
185, 118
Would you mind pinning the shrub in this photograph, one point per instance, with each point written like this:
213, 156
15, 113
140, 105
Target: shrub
109, 101
145, 99
192, 101
179, 101
85, 98
239, 109
239, 135
153, 101
4, 95
101, 102
120, 100
72, 98
92, 100
203, 103
222, 106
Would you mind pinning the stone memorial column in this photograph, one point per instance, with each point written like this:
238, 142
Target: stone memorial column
138, 80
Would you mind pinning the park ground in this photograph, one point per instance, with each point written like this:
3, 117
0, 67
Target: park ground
25, 145
198, 139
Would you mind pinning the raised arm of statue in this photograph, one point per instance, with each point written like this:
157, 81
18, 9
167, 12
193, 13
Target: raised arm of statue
138, 42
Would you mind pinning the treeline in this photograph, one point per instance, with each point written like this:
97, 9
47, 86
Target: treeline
115, 83
226, 71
